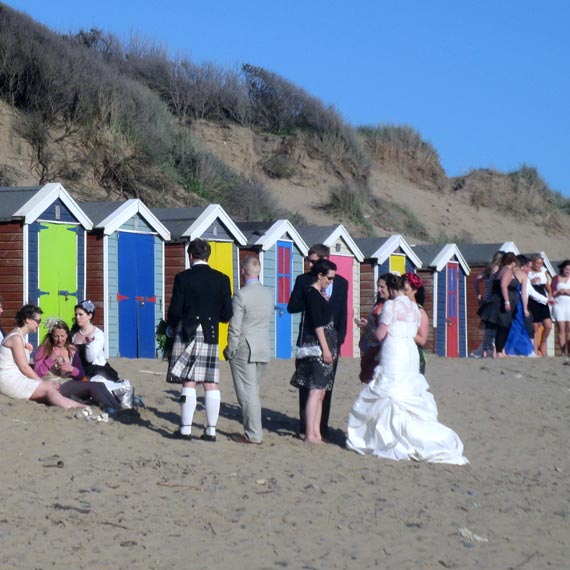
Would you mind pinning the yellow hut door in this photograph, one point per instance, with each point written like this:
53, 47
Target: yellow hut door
398, 263
221, 259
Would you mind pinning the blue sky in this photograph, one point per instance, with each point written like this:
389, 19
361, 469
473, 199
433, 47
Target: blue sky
486, 82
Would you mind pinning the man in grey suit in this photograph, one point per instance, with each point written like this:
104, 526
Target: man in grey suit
248, 348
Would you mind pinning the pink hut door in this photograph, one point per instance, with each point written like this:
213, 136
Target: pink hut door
344, 268
452, 312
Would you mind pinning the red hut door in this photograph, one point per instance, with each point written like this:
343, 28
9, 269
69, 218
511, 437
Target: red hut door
452, 312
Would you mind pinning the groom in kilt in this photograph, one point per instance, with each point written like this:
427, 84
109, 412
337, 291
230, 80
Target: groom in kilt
201, 299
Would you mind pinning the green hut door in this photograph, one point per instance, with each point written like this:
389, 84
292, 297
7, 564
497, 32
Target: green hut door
57, 272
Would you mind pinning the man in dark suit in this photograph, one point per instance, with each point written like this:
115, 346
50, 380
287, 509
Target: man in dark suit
201, 299
337, 294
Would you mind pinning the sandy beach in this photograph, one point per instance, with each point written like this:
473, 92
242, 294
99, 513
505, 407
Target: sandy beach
81, 494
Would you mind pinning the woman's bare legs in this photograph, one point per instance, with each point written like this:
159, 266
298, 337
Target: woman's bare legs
561, 331
313, 413
547, 327
47, 392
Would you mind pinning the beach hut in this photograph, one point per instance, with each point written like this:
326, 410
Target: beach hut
211, 223
444, 272
347, 256
42, 251
382, 255
281, 251
477, 256
125, 256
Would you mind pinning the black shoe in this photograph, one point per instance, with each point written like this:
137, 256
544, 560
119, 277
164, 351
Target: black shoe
179, 435
206, 437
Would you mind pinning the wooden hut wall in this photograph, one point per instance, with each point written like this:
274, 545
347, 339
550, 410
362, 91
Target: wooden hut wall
462, 313
56, 213
427, 278
11, 271
440, 335
474, 331
95, 276
136, 224
367, 287
174, 263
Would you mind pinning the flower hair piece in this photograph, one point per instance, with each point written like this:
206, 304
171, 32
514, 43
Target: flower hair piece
87, 305
413, 280
51, 323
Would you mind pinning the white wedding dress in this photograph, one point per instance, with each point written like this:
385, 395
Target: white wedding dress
395, 416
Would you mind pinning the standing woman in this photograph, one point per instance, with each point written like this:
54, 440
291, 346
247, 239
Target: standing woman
483, 286
18, 379
414, 290
499, 311
312, 371
540, 311
561, 309
369, 345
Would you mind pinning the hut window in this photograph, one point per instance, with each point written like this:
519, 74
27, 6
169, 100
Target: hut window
338, 247
57, 212
214, 229
136, 224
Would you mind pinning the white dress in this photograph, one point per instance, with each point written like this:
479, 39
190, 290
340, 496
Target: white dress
12, 382
561, 309
395, 416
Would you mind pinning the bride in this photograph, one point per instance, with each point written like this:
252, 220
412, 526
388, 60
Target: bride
395, 416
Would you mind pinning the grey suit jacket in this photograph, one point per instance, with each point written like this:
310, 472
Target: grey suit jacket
253, 307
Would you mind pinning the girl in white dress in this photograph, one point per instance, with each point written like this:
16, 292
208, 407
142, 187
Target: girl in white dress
561, 309
17, 378
395, 416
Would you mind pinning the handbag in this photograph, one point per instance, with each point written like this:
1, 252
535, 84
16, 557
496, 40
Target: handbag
308, 351
311, 349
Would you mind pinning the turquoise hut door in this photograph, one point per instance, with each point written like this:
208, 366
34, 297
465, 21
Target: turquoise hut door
283, 318
136, 295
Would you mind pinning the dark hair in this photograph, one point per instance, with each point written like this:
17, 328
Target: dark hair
394, 282
199, 249
86, 305
492, 265
320, 250
508, 258
323, 266
562, 265
27, 312
522, 260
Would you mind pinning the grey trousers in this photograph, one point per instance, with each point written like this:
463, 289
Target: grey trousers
247, 380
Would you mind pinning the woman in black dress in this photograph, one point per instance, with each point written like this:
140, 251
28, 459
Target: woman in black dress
314, 365
501, 307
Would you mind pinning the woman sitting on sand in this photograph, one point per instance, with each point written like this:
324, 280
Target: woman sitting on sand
57, 359
395, 416
18, 379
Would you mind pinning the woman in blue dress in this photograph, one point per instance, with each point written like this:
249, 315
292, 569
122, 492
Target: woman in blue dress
519, 342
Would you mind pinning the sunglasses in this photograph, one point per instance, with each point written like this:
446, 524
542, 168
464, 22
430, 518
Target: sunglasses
39, 321
311, 261
329, 278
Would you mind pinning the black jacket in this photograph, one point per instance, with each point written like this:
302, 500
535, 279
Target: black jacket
338, 302
201, 296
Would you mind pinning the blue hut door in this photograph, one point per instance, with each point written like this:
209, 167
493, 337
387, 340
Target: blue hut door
452, 310
283, 318
136, 295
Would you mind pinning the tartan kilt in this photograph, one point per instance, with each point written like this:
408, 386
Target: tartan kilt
193, 360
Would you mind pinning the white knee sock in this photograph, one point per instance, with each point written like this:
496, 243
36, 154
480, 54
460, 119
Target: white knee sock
187, 409
212, 400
